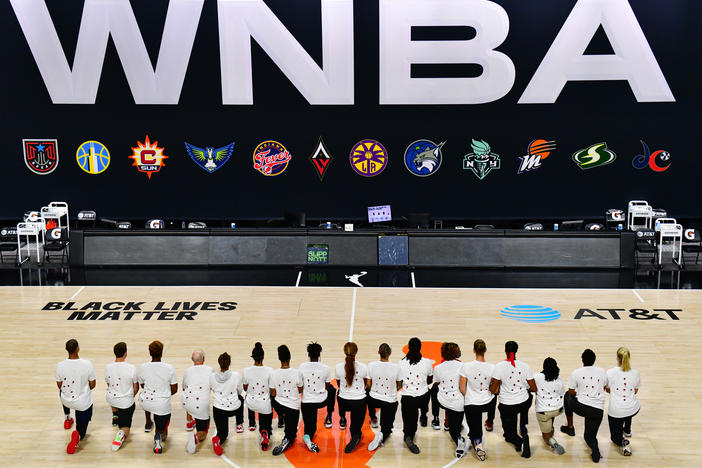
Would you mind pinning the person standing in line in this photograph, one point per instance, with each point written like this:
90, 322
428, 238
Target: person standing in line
446, 378
352, 379
586, 398
317, 392
226, 386
158, 382
286, 386
385, 381
75, 378
622, 385
258, 397
549, 402
122, 385
417, 373
475, 385
195, 399
512, 380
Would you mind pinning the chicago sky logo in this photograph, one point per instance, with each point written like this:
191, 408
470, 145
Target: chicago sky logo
530, 313
482, 160
538, 151
209, 158
93, 157
271, 158
321, 159
658, 161
148, 157
594, 156
40, 155
423, 157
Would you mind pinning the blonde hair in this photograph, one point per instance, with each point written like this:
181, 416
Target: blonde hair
624, 357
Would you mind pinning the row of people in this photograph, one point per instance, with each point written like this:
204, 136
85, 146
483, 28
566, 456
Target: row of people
461, 389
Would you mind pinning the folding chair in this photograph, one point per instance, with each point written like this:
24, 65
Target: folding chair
8, 243
57, 243
692, 243
646, 244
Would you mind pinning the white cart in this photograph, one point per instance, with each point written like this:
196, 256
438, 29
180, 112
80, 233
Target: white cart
670, 239
639, 215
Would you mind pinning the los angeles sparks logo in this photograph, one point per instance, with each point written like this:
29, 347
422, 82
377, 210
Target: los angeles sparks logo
148, 157
271, 158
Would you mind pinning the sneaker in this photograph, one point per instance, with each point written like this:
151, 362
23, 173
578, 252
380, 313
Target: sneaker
351, 446
252, 427
119, 440
461, 447
281, 448
374, 423
596, 455
488, 425
376, 442
568, 430
342, 423
157, 443
526, 448
627, 434
216, 446
328, 421
240, 428
189, 425
192, 443
147, 427
411, 445
435, 423
310, 445
518, 445
626, 448
423, 420
264, 440
556, 447
68, 423
281, 422
73, 444
114, 419
446, 427
480, 451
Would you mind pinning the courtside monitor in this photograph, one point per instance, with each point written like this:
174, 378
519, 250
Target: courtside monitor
377, 214
575, 225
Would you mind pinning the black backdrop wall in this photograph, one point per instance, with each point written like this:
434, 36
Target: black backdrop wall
584, 114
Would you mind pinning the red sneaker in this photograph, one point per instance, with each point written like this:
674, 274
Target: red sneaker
488, 426
189, 425
216, 447
68, 423
264, 440
73, 444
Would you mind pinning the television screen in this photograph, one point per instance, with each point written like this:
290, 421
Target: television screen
317, 254
377, 214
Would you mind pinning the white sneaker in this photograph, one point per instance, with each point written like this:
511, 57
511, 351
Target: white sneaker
376, 442
461, 447
310, 445
626, 448
480, 452
556, 447
119, 440
192, 443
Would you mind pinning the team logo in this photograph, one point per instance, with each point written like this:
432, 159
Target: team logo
538, 151
658, 161
423, 157
271, 158
368, 158
594, 156
40, 156
210, 158
93, 157
321, 159
530, 313
148, 157
482, 160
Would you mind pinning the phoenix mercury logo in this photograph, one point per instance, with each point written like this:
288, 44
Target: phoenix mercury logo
594, 156
271, 158
538, 151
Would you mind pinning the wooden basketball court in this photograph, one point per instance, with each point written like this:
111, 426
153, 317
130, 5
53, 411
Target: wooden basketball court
661, 328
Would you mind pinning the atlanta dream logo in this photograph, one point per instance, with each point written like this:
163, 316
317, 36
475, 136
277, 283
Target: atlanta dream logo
271, 158
40, 156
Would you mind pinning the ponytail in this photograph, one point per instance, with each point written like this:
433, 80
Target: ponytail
414, 348
350, 350
257, 352
625, 357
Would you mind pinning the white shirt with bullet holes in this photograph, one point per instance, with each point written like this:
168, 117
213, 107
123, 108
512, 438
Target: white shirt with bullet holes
357, 389
623, 401
446, 375
286, 383
549, 394
75, 376
258, 393
120, 378
195, 396
384, 377
478, 375
157, 378
315, 377
226, 387
589, 383
514, 388
414, 376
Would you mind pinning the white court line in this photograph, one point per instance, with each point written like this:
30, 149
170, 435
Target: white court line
224, 457
413, 283
453, 462
353, 314
637, 295
77, 292
299, 275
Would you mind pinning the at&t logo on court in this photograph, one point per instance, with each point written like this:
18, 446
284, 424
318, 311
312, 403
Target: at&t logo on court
530, 313
93, 157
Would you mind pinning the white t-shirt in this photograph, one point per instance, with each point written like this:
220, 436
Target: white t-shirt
446, 375
414, 376
514, 388
384, 377
478, 375
315, 377
195, 396
549, 395
357, 389
75, 375
286, 383
157, 378
623, 401
226, 387
589, 383
120, 378
258, 393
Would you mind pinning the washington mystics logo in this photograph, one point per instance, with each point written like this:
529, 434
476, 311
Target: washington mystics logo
423, 157
271, 158
40, 155
658, 161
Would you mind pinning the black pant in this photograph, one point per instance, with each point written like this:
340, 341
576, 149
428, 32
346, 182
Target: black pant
358, 414
508, 416
162, 422
617, 428
474, 414
455, 422
291, 417
387, 415
593, 418
434, 392
410, 407
124, 416
221, 420
82, 420
309, 412
239, 412
264, 420
371, 408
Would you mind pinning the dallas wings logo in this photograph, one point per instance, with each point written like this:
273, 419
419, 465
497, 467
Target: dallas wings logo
538, 151
148, 157
594, 156
209, 158
423, 157
482, 160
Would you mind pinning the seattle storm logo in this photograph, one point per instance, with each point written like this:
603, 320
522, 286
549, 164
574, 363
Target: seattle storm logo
423, 157
482, 160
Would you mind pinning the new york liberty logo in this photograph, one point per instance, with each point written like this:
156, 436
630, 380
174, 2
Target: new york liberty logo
482, 160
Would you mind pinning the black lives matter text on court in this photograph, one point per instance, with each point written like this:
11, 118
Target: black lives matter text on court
138, 310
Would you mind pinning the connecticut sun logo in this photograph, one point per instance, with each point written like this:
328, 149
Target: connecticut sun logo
148, 157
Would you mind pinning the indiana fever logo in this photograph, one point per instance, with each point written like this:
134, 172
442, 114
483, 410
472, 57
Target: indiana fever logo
271, 158
658, 161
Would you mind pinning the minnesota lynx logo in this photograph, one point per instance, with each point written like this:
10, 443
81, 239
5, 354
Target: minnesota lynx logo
481, 161
594, 156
